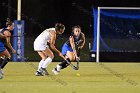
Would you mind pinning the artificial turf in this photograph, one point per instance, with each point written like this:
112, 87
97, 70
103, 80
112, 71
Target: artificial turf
94, 78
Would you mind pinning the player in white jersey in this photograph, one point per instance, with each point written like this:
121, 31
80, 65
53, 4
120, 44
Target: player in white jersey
48, 36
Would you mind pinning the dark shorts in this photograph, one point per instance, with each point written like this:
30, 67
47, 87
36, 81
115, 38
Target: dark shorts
66, 48
2, 49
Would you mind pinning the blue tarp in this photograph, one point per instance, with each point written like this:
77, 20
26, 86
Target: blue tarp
117, 25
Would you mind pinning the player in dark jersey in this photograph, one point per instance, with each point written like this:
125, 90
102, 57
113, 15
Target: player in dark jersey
4, 53
76, 39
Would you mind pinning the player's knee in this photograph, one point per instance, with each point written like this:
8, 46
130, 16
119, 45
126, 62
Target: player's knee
8, 56
72, 58
51, 56
44, 58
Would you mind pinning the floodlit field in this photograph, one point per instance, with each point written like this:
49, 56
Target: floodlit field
92, 78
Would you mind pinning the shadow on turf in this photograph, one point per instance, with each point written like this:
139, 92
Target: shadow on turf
50, 76
121, 76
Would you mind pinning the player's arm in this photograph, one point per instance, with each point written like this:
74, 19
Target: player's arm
52, 41
83, 41
73, 45
8, 35
52, 44
2, 36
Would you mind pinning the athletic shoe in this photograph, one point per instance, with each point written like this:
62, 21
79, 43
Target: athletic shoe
38, 73
1, 74
55, 71
43, 71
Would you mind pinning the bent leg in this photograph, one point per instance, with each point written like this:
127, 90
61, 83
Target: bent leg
6, 58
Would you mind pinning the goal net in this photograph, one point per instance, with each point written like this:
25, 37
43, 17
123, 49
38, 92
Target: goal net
116, 30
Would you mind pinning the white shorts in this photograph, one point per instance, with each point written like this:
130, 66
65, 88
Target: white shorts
39, 46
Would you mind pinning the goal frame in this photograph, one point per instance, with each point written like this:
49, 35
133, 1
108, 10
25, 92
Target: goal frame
98, 26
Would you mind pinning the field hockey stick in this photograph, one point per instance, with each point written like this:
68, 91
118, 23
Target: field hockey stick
77, 65
74, 67
78, 54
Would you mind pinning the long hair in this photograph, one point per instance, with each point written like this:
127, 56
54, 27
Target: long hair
59, 26
77, 26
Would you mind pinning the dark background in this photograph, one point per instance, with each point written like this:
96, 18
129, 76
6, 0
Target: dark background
42, 14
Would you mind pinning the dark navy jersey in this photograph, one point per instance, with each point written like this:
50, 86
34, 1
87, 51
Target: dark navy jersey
4, 29
2, 32
76, 40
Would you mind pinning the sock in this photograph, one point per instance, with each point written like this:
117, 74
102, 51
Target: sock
46, 62
58, 68
5, 61
64, 64
40, 64
1, 60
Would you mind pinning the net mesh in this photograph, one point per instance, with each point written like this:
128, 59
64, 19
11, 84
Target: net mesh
120, 30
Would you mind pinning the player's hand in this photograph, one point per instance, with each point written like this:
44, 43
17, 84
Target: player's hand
77, 59
13, 51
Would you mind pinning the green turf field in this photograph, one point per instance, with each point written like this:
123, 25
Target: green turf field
94, 78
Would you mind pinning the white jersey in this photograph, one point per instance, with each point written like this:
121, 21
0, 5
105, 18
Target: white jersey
40, 42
